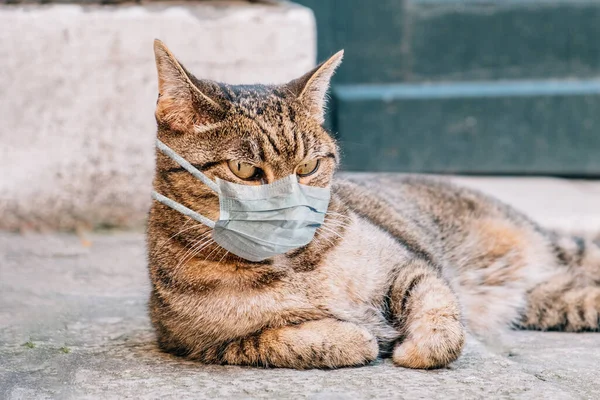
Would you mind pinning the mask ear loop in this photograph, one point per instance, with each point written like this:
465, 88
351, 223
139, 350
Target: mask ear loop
182, 209
166, 150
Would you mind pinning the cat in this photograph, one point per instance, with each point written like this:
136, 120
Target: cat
401, 267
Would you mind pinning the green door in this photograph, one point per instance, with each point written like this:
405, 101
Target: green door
469, 86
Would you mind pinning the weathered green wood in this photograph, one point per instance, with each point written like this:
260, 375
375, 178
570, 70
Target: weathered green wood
503, 39
534, 127
478, 42
417, 40
370, 32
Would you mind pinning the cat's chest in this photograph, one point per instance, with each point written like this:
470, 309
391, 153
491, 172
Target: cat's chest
359, 270
348, 281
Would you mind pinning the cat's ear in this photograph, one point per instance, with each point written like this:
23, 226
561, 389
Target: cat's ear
184, 102
311, 88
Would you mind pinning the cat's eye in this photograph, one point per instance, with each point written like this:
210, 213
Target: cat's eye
308, 168
242, 169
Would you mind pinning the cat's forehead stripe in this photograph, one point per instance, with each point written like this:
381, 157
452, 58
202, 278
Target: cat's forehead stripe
276, 127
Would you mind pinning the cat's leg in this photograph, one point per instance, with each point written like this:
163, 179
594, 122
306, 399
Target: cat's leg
428, 317
560, 304
570, 300
580, 256
325, 343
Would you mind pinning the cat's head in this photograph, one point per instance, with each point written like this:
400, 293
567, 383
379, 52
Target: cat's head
247, 134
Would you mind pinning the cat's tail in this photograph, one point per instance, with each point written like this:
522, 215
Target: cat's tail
570, 300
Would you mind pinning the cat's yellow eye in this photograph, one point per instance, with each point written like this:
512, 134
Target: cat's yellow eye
308, 168
242, 169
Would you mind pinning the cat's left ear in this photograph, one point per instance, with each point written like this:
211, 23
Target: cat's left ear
185, 103
311, 88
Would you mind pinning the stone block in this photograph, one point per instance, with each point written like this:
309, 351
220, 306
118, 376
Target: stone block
519, 127
524, 39
79, 88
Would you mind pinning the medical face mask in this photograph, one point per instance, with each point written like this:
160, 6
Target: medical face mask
257, 221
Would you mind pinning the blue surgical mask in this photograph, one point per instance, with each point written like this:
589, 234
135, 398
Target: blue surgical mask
257, 221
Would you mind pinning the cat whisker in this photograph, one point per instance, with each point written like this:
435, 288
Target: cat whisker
201, 248
192, 255
209, 254
320, 236
224, 255
331, 231
194, 250
189, 247
337, 224
337, 214
160, 246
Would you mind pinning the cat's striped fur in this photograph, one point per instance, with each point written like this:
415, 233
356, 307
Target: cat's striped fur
400, 267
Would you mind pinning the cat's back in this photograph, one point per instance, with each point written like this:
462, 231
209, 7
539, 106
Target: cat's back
428, 201
439, 221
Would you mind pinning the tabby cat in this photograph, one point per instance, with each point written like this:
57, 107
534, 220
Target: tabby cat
400, 267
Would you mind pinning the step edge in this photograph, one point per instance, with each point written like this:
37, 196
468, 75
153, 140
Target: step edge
512, 88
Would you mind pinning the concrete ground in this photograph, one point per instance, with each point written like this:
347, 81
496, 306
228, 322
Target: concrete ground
73, 324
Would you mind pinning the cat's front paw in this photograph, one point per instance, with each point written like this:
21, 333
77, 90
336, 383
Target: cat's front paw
433, 341
323, 344
326, 343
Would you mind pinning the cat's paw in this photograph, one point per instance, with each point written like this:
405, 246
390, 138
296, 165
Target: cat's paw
330, 344
434, 341
326, 343
361, 347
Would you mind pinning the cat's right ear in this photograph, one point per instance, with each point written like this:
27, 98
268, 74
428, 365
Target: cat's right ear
184, 103
311, 88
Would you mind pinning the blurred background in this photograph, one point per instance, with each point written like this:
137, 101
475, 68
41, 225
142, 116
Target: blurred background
499, 95
465, 86
470, 87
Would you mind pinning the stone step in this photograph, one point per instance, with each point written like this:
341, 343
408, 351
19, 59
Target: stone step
432, 40
78, 89
495, 127
502, 39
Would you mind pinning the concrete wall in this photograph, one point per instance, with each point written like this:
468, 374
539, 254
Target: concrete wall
78, 89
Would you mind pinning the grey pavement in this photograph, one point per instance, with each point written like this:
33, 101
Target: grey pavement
73, 324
